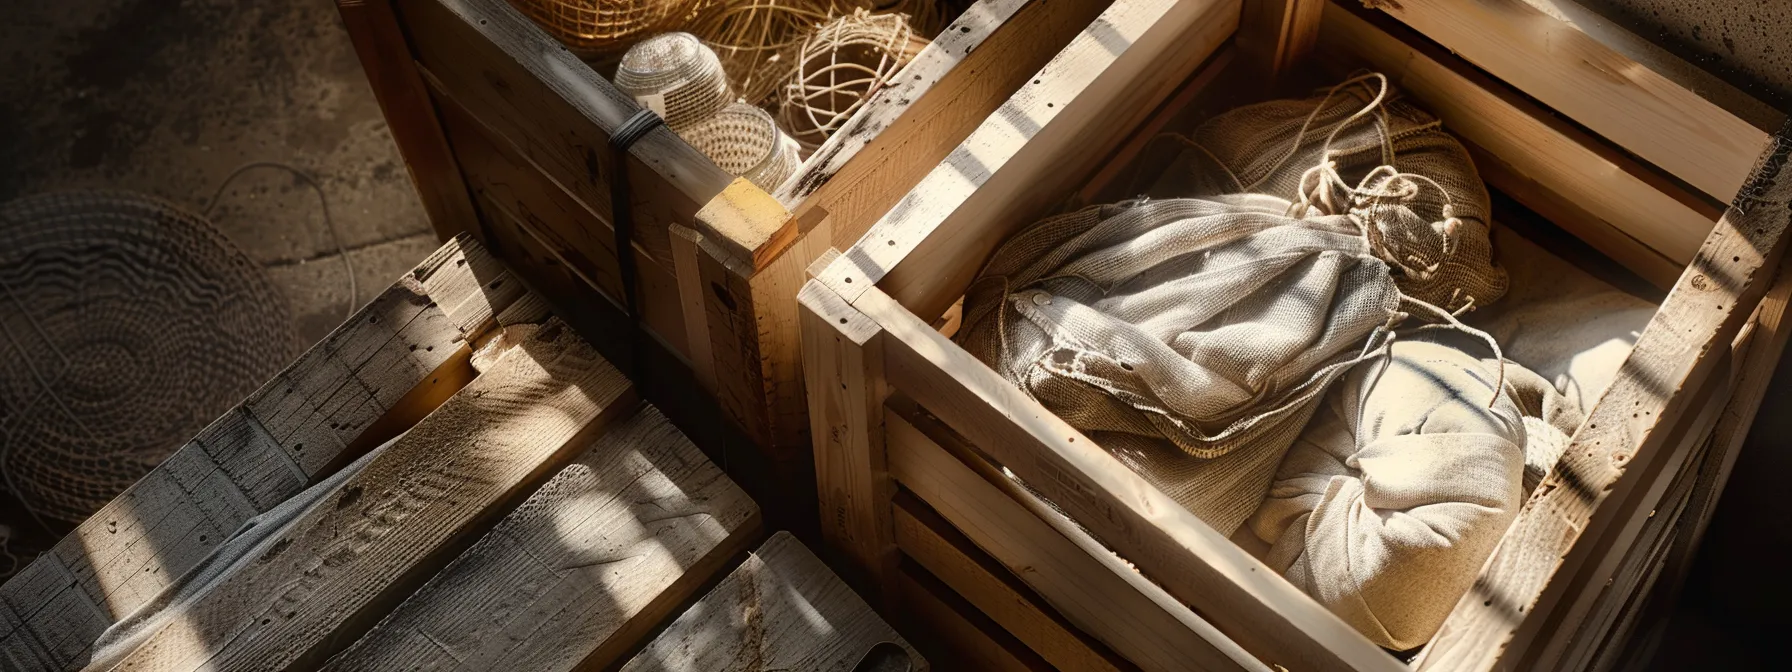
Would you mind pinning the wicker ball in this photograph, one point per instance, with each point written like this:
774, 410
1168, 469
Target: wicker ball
675, 76
743, 141
752, 36
837, 69
598, 28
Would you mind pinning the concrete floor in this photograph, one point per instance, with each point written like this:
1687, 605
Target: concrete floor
169, 96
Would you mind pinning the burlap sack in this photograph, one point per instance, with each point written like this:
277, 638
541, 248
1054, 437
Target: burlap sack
1390, 501
1189, 337
1358, 149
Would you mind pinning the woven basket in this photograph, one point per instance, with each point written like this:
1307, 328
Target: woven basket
598, 28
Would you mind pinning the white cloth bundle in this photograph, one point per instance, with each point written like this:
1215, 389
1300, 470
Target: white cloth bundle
1392, 498
1190, 337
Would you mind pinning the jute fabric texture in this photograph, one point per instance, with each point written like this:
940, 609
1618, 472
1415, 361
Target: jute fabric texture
1393, 497
1359, 149
1189, 337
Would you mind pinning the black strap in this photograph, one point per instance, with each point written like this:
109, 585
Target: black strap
622, 217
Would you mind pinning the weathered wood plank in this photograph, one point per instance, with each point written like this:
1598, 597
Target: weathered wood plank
1616, 189
1094, 589
932, 542
391, 363
1624, 433
582, 570
904, 130
956, 631
559, 115
341, 564
1553, 60
780, 610
843, 365
1275, 34
1033, 151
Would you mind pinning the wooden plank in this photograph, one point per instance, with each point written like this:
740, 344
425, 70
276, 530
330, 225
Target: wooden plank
960, 632
1625, 431
1265, 614
932, 542
392, 73
578, 238
1611, 187
1034, 151
325, 578
583, 570
1551, 59
1276, 34
559, 114
1094, 589
906, 129
780, 610
492, 169
843, 366
128, 551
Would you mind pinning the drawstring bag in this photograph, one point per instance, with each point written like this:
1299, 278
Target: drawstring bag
1192, 337
1359, 149
1391, 500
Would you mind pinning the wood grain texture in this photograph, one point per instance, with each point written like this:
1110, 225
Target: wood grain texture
1263, 612
1094, 589
1626, 430
393, 362
581, 571
780, 610
946, 554
906, 129
558, 113
843, 366
1549, 58
955, 631
324, 579
385, 56
1611, 187
1033, 151
1274, 35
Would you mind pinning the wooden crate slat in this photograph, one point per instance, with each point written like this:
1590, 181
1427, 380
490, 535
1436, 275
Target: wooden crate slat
1093, 588
1625, 431
1553, 60
161, 526
1616, 190
582, 570
781, 609
341, 563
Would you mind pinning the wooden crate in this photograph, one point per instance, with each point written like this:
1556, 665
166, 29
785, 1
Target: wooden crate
500, 125
526, 512
1618, 145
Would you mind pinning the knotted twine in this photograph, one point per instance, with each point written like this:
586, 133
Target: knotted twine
1192, 337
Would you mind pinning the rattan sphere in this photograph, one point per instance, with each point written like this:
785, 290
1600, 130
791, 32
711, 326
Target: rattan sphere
676, 76
838, 67
598, 28
130, 324
752, 37
743, 141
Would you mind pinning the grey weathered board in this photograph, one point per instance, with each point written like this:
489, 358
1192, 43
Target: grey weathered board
583, 570
781, 610
400, 350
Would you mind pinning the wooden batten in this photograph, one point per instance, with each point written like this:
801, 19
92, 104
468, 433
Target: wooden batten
956, 631
324, 578
781, 609
1549, 57
583, 570
396, 360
